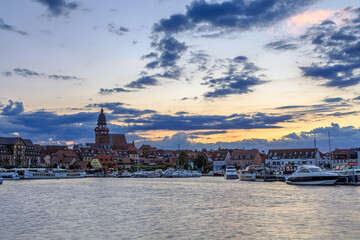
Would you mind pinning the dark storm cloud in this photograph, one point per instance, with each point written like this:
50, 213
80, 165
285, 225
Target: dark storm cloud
58, 7
113, 90
143, 82
117, 30
281, 45
10, 28
236, 14
240, 78
13, 108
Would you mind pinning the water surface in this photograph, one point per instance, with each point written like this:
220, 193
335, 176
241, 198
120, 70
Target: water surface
192, 208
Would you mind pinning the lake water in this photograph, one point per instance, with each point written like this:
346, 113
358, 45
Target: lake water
192, 208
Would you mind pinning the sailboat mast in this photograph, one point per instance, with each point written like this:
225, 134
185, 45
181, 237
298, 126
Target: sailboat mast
315, 151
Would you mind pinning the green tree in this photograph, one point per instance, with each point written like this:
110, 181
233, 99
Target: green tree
201, 161
183, 160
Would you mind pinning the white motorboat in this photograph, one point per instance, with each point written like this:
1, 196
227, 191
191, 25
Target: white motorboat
257, 173
231, 173
9, 174
52, 174
348, 174
312, 175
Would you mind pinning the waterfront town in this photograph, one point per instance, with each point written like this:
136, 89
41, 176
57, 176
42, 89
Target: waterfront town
112, 152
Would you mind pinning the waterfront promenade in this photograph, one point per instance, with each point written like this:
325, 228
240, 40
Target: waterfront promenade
191, 208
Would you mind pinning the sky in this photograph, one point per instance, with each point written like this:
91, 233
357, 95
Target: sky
194, 74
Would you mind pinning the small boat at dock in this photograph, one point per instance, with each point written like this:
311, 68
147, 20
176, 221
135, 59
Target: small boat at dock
257, 173
230, 173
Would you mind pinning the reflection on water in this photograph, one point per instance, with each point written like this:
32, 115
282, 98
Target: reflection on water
197, 208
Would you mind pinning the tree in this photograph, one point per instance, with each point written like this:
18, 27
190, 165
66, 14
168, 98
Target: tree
183, 160
89, 166
202, 162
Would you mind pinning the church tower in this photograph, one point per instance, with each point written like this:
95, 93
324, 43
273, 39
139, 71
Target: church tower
102, 131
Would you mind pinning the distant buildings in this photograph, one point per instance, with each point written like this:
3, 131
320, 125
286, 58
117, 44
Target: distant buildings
18, 152
243, 157
278, 158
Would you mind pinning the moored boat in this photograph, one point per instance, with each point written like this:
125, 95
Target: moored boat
349, 174
230, 173
312, 175
52, 174
9, 174
257, 173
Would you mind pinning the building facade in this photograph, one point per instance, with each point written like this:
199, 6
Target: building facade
18, 152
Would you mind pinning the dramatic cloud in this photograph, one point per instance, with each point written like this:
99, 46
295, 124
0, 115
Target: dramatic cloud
170, 50
113, 90
236, 14
59, 7
336, 106
240, 78
142, 82
117, 30
118, 108
337, 48
206, 122
13, 108
29, 73
341, 137
4, 26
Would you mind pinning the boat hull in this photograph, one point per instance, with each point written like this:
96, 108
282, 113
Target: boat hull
231, 176
52, 175
323, 180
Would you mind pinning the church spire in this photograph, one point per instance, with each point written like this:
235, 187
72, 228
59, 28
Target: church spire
102, 131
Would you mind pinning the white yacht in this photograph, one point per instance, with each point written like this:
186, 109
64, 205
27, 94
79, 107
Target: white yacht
52, 174
9, 174
312, 175
231, 173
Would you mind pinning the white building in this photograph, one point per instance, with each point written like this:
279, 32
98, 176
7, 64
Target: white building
219, 159
278, 158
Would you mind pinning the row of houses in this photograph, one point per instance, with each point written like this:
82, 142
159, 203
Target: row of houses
16, 152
